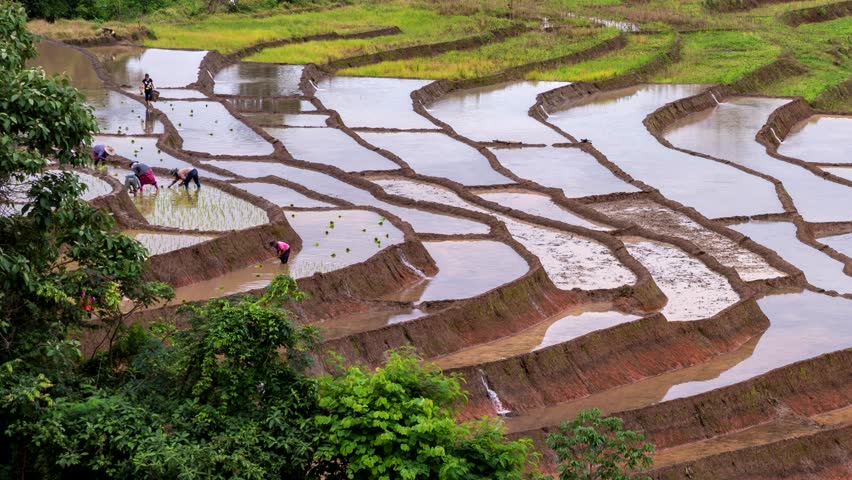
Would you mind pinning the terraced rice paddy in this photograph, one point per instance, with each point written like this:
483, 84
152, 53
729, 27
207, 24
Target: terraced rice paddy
563, 249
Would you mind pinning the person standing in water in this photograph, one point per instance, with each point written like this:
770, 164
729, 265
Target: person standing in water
148, 88
145, 175
283, 250
99, 153
184, 176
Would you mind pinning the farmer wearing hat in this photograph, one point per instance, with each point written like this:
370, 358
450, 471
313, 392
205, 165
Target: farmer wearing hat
99, 153
145, 175
184, 176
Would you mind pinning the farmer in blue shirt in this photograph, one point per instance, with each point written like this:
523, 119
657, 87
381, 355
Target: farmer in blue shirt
99, 153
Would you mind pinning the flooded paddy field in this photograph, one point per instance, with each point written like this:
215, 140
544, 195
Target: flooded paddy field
583, 285
819, 139
205, 209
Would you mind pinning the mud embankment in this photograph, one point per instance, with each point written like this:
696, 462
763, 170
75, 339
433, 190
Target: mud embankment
823, 455
118, 203
609, 358
822, 13
139, 33
500, 312
428, 50
559, 97
781, 121
836, 98
778, 70
804, 389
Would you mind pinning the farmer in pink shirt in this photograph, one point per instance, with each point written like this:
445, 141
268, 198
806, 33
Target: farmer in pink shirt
283, 250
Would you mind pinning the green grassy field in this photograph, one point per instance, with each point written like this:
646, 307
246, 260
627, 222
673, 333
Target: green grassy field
717, 47
640, 50
492, 58
418, 27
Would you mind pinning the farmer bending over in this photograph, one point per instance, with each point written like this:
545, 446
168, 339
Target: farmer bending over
283, 250
145, 175
184, 176
131, 183
148, 88
99, 153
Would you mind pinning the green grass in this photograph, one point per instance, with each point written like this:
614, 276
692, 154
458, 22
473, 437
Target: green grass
719, 57
640, 50
227, 33
418, 27
491, 58
825, 49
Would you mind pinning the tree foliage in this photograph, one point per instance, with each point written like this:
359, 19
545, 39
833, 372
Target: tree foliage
397, 422
595, 447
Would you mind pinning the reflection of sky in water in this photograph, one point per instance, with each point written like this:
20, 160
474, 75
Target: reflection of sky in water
577, 173
573, 326
168, 68
259, 80
497, 112
728, 132
821, 138
144, 150
820, 270
117, 113
438, 155
613, 122
330, 146
373, 102
469, 268
210, 128
281, 196
802, 325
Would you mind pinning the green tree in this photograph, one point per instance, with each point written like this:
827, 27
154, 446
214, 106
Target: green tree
62, 267
398, 422
224, 398
594, 447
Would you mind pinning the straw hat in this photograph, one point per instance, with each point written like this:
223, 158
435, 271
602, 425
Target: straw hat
109, 150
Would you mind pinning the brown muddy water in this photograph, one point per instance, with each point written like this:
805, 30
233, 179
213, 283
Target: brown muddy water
820, 270
258, 80
320, 252
786, 427
570, 324
207, 127
694, 291
574, 171
820, 138
497, 112
421, 221
281, 196
330, 146
57, 59
728, 131
168, 68
662, 220
465, 269
540, 206
371, 319
161, 242
306, 120
145, 150
802, 325
613, 123
205, 209
438, 155
635, 395
373, 102
117, 113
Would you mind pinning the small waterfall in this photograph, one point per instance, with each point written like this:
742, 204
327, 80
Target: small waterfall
412, 267
314, 85
771, 129
715, 99
210, 74
544, 110
495, 400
